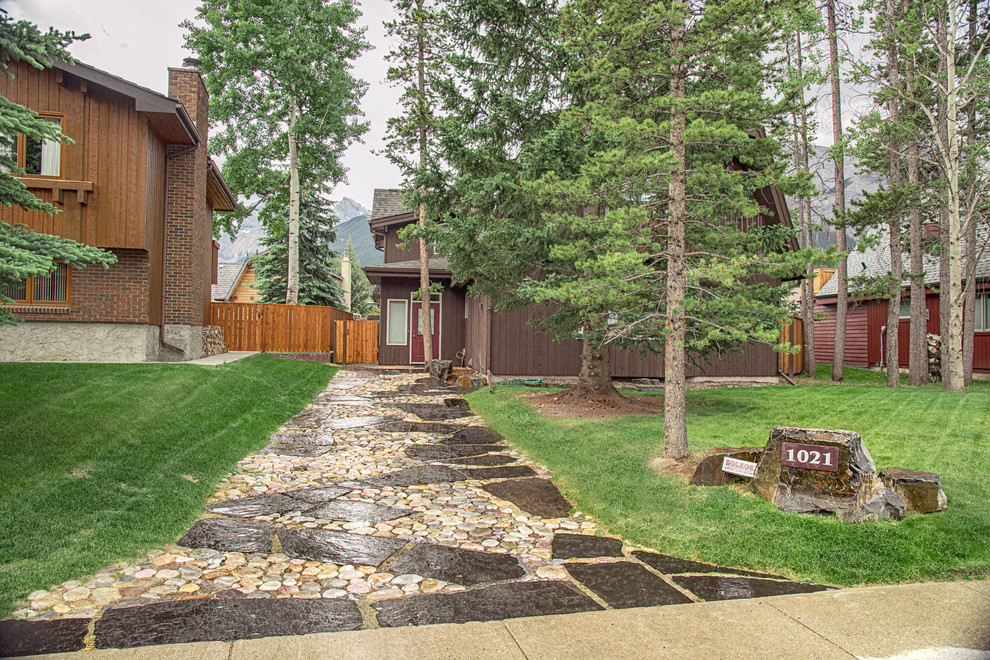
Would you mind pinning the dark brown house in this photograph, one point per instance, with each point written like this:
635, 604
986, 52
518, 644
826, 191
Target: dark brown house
505, 343
137, 181
866, 324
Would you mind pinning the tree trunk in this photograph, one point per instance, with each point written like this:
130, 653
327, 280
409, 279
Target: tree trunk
292, 271
955, 358
842, 306
894, 222
595, 377
808, 286
675, 417
918, 373
424, 257
969, 267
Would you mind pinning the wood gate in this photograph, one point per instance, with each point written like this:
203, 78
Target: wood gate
269, 327
356, 342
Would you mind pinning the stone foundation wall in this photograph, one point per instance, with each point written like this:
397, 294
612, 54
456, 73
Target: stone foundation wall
49, 341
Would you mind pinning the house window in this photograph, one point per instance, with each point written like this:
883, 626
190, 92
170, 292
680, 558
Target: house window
905, 312
982, 323
48, 290
36, 157
398, 317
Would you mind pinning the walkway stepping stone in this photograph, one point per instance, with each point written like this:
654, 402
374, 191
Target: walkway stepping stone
500, 601
337, 547
537, 496
625, 584
334, 399
308, 451
345, 423
456, 403
260, 505
297, 438
311, 418
499, 472
486, 460
433, 452
399, 426
432, 412
474, 435
19, 637
417, 476
672, 565
467, 567
228, 536
583, 546
184, 621
713, 587
351, 511
319, 495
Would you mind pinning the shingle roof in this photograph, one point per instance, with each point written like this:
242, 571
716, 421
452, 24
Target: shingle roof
387, 202
436, 265
875, 262
227, 275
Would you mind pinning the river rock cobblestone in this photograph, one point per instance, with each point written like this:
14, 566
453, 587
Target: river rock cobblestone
325, 503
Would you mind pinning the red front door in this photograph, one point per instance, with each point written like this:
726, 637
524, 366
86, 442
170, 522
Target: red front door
418, 353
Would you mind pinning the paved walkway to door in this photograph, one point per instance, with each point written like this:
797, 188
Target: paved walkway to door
384, 503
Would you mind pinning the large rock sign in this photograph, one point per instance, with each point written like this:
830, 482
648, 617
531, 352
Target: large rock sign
836, 475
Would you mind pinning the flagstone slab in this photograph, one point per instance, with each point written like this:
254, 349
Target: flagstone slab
228, 536
673, 565
714, 587
500, 601
536, 496
509, 472
19, 637
346, 423
399, 426
624, 584
310, 418
456, 403
319, 495
334, 399
301, 438
337, 547
180, 622
432, 412
417, 476
584, 546
259, 505
467, 567
351, 511
484, 460
474, 435
433, 452
305, 451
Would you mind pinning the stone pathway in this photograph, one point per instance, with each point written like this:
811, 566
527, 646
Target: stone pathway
383, 503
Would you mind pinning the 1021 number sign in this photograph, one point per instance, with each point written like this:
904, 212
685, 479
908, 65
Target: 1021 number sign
809, 457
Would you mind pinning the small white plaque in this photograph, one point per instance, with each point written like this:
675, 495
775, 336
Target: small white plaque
741, 468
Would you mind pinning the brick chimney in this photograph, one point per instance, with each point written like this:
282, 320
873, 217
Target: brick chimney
188, 222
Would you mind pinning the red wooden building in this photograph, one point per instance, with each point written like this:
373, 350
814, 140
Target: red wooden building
867, 321
505, 343
136, 180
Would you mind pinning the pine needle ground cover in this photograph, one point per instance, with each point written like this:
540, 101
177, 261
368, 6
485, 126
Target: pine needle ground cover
602, 466
103, 462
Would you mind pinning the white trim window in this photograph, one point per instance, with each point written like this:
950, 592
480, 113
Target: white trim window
982, 321
397, 333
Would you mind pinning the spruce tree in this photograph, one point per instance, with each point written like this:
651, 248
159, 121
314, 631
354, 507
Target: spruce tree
361, 301
24, 253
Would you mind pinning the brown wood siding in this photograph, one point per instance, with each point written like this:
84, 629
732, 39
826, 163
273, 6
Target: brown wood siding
857, 325
155, 223
451, 321
394, 253
478, 333
110, 150
244, 291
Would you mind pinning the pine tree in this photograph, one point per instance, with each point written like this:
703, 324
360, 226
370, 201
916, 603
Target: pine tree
24, 253
283, 100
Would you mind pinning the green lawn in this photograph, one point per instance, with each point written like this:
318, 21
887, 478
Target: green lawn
602, 467
103, 462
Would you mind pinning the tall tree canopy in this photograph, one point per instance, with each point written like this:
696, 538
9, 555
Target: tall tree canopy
24, 253
283, 100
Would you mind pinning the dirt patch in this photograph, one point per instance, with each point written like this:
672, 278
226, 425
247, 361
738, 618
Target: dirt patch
684, 468
305, 357
557, 405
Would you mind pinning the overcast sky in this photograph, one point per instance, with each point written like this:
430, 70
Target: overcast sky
139, 39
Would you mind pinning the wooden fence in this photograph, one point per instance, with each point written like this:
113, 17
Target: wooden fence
793, 334
276, 328
357, 342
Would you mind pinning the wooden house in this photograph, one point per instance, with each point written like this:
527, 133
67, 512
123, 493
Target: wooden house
235, 282
866, 323
136, 180
505, 343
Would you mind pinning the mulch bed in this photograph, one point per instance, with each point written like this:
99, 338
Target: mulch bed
562, 404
